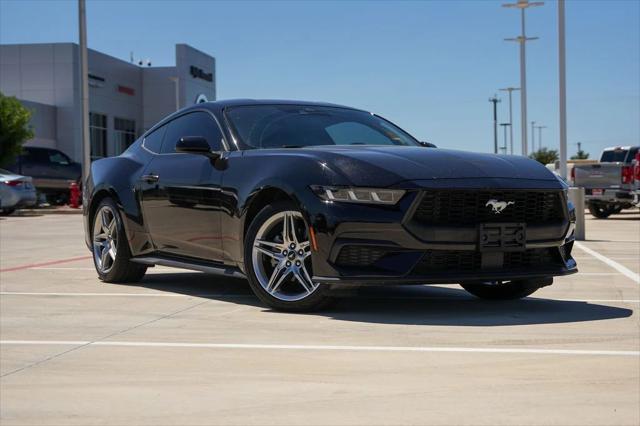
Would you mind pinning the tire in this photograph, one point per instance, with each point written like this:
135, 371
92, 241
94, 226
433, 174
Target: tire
509, 290
6, 212
279, 266
599, 211
111, 253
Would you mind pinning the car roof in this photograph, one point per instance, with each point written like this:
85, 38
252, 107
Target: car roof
220, 105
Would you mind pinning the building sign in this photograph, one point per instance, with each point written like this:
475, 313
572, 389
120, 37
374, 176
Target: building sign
199, 73
126, 90
96, 80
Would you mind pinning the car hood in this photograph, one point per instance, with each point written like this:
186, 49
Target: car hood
389, 165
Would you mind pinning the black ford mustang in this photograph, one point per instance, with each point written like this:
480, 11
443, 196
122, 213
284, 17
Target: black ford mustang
302, 198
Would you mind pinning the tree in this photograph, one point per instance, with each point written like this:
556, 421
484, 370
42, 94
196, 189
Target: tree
580, 155
14, 128
544, 155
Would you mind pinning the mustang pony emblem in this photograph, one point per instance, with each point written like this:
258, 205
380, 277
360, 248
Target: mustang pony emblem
498, 206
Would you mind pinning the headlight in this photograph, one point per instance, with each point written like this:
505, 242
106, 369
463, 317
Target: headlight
358, 195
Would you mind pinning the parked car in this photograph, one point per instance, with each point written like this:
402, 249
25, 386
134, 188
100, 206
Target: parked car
609, 184
636, 180
52, 171
303, 198
16, 191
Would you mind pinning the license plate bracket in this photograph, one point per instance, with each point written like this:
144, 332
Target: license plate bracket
501, 237
597, 192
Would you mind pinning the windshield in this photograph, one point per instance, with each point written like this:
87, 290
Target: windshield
297, 126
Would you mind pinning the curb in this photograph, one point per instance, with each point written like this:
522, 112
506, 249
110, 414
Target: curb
46, 211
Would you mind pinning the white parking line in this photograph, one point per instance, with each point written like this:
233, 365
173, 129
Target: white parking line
21, 293
615, 265
230, 295
325, 347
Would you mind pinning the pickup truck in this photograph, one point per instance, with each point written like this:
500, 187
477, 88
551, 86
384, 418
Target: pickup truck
610, 184
52, 171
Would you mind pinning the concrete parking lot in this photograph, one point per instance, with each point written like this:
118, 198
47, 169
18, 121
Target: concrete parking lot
188, 348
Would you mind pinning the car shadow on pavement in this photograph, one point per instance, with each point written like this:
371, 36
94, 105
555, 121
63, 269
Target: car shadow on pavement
411, 305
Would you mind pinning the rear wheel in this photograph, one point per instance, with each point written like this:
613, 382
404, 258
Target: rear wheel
278, 260
503, 290
6, 212
111, 254
600, 211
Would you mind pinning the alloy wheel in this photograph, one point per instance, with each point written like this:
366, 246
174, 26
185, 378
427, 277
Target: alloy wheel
281, 257
105, 239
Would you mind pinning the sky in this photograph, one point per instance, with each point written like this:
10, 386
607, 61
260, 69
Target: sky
428, 66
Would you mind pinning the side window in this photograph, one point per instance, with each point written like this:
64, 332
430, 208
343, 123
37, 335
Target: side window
193, 124
153, 141
40, 156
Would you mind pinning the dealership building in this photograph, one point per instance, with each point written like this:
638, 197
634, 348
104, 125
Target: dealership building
125, 99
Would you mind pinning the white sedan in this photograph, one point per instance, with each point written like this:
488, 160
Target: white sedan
16, 191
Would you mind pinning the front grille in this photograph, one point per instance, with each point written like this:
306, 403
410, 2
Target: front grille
452, 261
354, 255
469, 207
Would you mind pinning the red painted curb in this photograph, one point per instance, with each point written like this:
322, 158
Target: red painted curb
37, 265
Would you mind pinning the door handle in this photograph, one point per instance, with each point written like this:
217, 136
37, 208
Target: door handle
150, 178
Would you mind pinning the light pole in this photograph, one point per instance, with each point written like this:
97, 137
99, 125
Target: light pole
510, 89
562, 90
540, 135
84, 90
504, 146
522, 39
533, 136
495, 101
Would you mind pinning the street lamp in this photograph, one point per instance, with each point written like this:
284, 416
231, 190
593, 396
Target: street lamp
495, 101
540, 135
510, 89
522, 39
504, 146
533, 136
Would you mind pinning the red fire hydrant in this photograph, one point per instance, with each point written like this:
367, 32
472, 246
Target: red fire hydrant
74, 195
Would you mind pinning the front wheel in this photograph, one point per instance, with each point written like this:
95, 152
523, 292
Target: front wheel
7, 212
501, 290
277, 257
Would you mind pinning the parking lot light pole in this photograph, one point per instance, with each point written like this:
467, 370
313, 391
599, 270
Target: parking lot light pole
495, 101
84, 90
562, 90
533, 136
540, 135
504, 146
510, 90
522, 39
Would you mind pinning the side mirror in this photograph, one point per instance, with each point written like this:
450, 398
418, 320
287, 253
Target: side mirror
195, 145
428, 144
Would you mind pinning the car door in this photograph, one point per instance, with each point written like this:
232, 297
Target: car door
180, 192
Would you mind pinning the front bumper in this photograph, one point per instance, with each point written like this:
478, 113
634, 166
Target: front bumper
367, 244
